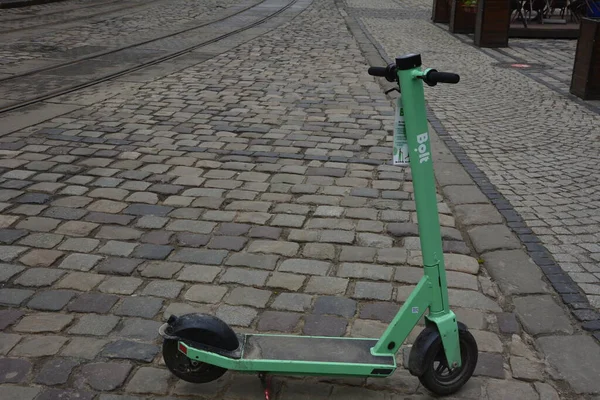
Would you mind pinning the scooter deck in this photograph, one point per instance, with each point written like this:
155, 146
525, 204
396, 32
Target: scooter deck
313, 349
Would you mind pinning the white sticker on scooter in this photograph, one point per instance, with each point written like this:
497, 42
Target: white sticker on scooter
415, 310
422, 149
400, 149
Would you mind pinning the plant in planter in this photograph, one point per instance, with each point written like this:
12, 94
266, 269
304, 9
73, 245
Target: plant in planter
469, 6
463, 16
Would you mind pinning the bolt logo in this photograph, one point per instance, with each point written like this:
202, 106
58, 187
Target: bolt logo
422, 149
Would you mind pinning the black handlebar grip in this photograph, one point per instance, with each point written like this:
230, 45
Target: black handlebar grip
443, 77
378, 71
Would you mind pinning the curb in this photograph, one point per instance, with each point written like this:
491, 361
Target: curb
561, 282
24, 3
532, 294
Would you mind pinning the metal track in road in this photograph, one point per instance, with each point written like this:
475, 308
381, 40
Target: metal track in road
35, 76
72, 19
138, 44
131, 46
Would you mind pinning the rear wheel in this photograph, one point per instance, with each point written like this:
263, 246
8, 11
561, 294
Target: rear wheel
198, 328
186, 369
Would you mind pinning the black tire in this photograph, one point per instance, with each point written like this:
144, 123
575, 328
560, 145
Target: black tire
203, 329
436, 376
186, 369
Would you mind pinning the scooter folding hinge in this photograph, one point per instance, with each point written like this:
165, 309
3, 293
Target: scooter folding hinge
435, 265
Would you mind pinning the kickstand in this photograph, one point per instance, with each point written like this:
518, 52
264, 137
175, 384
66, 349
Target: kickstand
265, 380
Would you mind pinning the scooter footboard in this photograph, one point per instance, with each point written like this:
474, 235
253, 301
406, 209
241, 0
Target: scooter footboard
307, 348
303, 355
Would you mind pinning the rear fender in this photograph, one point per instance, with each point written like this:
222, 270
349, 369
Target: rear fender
202, 330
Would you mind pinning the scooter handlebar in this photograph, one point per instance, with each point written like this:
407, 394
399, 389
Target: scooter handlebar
434, 77
389, 72
377, 71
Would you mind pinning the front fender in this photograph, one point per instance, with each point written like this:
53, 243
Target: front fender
416, 359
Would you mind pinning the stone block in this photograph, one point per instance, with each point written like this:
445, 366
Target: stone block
56, 371
335, 305
278, 321
486, 238
236, 315
477, 214
515, 272
292, 302
260, 261
541, 314
373, 291
205, 293
145, 307
39, 346
324, 325
508, 389
14, 370
97, 325
105, 376
149, 380
130, 350
326, 285
248, 297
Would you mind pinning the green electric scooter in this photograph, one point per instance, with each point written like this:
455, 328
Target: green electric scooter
200, 348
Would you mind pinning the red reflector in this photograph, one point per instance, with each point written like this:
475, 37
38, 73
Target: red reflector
182, 348
520, 65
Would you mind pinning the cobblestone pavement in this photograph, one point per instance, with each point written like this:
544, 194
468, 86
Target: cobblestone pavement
253, 186
541, 155
556, 57
536, 145
550, 62
112, 30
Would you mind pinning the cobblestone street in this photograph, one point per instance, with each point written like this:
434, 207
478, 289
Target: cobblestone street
118, 26
253, 183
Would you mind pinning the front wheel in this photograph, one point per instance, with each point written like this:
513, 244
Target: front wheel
186, 369
437, 376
